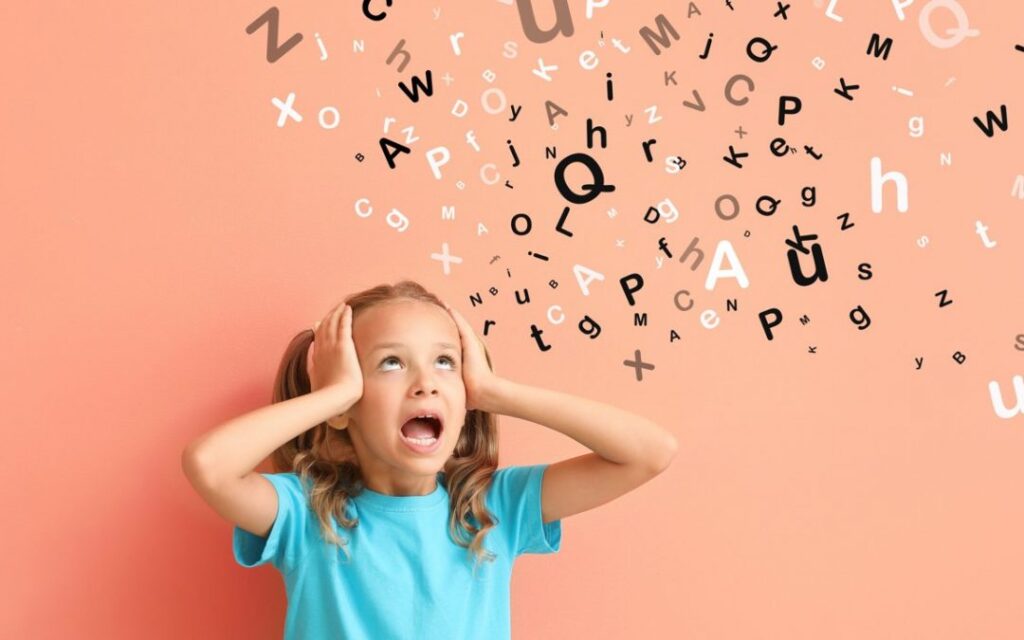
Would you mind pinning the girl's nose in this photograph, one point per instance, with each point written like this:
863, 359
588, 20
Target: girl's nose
425, 384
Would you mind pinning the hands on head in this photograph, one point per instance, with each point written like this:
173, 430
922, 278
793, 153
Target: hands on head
477, 375
331, 360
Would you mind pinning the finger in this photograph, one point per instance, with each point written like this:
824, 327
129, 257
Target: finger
332, 322
466, 331
460, 322
317, 333
452, 315
346, 325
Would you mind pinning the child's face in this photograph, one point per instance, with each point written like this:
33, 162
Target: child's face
398, 381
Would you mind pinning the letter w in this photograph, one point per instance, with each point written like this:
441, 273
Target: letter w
417, 84
987, 128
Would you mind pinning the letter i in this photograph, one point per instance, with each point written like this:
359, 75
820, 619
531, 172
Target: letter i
707, 47
323, 49
515, 156
608, 86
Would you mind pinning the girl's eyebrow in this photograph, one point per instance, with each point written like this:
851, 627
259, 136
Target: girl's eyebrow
390, 345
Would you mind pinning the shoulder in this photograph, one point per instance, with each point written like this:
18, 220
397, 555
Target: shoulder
287, 479
511, 485
516, 473
514, 497
289, 486
289, 535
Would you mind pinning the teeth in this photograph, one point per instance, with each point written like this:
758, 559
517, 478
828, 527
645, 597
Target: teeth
429, 415
423, 441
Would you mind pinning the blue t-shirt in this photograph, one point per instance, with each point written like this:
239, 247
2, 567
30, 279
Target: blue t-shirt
406, 578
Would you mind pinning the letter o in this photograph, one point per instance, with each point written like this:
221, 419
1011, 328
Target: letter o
485, 100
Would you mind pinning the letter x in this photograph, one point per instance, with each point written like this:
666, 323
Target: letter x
446, 258
286, 109
639, 364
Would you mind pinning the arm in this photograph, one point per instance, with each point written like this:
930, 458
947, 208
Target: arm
617, 436
628, 450
219, 464
233, 449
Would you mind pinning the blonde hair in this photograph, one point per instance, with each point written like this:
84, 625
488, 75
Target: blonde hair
467, 472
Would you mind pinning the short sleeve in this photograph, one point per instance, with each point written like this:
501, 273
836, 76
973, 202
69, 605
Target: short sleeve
283, 545
516, 498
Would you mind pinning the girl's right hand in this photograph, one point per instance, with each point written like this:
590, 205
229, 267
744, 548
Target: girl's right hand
331, 359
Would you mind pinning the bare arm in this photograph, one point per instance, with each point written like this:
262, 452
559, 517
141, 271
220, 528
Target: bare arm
220, 463
628, 450
233, 449
614, 434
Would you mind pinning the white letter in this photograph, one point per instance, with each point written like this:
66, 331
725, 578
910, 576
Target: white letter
486, 103
497, 176
455, 37
709, 319
899, 5
579, 270
435, 165
878, 181
668, 211
916, 126
337, 117
715, 272
399, 222
595, 4
997, 398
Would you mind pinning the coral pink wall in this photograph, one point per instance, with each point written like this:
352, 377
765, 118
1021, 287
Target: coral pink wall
164, 239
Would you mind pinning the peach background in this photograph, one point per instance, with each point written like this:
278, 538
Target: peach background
164, 239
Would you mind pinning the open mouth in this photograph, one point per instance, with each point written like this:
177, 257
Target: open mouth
423, 430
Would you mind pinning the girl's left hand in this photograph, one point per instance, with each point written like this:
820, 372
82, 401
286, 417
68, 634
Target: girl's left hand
480, 381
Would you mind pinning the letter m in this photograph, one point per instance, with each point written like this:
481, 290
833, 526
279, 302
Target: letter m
640, 319
664, 29
879, 50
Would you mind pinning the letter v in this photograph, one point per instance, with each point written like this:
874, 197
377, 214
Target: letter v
700, 102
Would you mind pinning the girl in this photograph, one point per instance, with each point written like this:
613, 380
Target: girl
384, 438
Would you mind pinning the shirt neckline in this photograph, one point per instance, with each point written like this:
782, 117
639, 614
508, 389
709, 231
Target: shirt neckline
384, 502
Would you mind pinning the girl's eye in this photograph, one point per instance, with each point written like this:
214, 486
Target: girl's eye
450, 361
